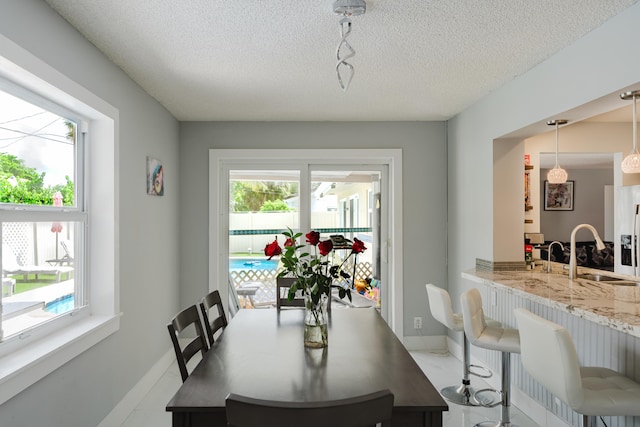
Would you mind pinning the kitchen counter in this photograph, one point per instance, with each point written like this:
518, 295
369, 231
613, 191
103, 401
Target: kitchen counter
615, 306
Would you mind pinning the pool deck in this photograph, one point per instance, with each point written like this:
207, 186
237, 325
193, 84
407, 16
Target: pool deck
43, 294
26, 309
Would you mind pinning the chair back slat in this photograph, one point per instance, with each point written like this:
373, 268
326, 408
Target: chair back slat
282, 293
187, 317
214, 320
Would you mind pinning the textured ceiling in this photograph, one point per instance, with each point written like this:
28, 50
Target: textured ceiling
275, 60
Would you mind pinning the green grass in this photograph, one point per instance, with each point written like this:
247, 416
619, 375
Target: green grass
32, 282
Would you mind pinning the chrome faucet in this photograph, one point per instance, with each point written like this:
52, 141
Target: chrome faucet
573, 268
549, 253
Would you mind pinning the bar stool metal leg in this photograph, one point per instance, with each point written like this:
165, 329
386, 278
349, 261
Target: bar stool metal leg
505, 402
464, 394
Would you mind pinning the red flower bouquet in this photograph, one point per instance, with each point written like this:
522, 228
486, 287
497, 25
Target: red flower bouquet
314, 272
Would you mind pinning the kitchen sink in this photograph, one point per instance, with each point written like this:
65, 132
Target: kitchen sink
600, 278
619, 282
616, 281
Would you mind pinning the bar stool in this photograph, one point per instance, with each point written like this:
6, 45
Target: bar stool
550, 357
442, 311
504, 340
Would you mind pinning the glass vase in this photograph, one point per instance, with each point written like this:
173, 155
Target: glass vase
315, 322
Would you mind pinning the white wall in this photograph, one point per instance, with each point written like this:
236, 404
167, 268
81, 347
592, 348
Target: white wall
85, 390
424, 178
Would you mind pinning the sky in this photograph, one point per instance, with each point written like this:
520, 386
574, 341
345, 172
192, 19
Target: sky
36, 136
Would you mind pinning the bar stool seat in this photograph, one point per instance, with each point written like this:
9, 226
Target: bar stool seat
550, 357
442, 310
504, 340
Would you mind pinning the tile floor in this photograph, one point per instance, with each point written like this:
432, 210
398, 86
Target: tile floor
442, 369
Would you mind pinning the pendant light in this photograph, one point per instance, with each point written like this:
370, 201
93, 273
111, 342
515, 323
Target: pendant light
631, 163
557, 175
344, 51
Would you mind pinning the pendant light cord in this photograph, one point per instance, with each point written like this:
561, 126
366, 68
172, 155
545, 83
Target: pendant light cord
557, 165
635, 147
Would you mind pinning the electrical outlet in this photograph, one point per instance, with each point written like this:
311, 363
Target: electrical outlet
417, 322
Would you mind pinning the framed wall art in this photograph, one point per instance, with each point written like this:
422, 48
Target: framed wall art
155, 177
558, 197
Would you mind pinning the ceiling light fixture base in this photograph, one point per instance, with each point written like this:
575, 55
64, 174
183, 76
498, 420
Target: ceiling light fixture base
630, 95
349, 7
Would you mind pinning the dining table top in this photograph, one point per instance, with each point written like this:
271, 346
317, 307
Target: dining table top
261, 354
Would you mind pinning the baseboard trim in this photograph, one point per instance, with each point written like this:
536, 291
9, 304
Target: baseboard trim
427, 343
123, 409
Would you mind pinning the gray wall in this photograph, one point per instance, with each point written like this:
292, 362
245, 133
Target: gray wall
424, 177
588, 205
85, 390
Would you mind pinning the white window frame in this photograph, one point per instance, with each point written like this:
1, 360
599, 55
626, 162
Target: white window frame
370, 208
221, 160
47, 348
354, 210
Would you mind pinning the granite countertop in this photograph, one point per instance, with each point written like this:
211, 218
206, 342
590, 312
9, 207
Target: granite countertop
616, 306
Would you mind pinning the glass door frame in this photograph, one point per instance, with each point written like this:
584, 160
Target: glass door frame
221, 161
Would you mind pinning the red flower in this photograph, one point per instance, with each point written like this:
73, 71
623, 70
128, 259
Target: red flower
313, 237
325, 247
289, 242
358, 246
272, 249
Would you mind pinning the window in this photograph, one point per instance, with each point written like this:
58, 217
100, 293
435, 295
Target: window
85, 226
41, 177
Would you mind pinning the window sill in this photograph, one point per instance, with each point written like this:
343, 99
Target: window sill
25, 366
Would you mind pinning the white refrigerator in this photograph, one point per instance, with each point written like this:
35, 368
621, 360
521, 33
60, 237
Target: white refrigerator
627, 228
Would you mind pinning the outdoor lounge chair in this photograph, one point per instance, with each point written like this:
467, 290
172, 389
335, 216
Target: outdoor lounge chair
67, 246
10, 266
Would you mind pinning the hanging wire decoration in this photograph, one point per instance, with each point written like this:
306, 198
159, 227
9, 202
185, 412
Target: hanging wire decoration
344, 51
342, 66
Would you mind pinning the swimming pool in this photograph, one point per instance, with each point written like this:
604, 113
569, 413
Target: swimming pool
252, 264
60, 305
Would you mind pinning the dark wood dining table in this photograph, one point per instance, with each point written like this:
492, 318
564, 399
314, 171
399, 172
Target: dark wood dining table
261, 354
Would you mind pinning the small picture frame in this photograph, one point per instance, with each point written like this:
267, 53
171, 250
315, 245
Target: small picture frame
558, 197
155, 177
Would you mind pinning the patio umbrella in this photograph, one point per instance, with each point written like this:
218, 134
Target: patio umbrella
56, 227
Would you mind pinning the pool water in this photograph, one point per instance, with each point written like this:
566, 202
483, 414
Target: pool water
60, 305
252, 264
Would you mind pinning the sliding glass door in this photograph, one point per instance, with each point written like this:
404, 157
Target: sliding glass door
262, 204
255, 199
336, 212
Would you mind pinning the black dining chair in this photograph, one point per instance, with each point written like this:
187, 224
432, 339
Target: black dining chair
359, 411
216, 322
282, 293
187, 317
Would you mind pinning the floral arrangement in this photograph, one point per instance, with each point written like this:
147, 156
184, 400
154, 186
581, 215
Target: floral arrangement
314, 272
